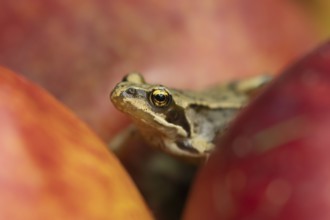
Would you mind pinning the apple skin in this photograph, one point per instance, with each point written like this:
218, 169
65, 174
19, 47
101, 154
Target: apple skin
274, 162
52, 165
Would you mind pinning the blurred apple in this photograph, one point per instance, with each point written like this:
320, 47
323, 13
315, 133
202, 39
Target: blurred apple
53, 166
274, 162
79, 50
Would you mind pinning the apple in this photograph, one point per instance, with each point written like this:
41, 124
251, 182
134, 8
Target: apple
274, 162
52, 165
79, 50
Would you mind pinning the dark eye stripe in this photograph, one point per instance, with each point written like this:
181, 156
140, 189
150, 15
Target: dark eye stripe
177, 116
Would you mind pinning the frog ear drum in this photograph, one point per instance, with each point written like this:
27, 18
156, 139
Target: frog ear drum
160, 97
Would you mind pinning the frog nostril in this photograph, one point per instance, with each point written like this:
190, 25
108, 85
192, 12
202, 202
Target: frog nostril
131, 91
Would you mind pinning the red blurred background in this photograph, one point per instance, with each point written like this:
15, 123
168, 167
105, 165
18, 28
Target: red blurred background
79, 50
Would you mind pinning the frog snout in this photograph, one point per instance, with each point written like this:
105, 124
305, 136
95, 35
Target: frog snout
116, 94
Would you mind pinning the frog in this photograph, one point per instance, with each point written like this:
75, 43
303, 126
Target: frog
184, 123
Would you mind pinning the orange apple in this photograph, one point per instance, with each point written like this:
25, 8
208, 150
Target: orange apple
53, 166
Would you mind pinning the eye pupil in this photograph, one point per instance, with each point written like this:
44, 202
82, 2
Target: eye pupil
160, 97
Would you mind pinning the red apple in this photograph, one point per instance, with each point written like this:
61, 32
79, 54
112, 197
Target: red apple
274, 162
53, 166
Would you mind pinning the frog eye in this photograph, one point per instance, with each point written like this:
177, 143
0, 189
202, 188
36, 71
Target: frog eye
160, 97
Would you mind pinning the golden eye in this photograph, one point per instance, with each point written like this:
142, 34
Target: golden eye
160, 97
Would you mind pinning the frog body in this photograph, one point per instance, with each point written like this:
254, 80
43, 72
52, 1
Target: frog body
183, 123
